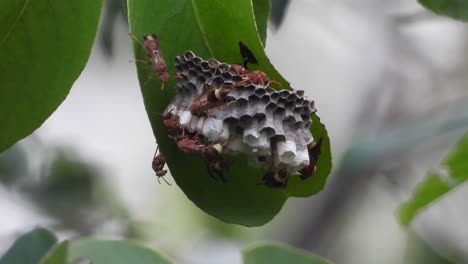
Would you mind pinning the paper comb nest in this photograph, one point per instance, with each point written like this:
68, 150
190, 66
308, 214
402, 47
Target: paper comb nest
271, 127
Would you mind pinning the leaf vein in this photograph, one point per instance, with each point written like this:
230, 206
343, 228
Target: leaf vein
26, 3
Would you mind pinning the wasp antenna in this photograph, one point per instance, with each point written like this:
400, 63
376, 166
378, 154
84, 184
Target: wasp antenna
165, 181
246, 54
135, 38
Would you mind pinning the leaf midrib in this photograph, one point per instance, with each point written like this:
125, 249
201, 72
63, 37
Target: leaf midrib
26, 3
201, 27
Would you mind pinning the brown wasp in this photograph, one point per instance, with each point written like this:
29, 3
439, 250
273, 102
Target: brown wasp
210, 98
171, 121
214, 161
158, 166
191, 143
153, 50
258, 78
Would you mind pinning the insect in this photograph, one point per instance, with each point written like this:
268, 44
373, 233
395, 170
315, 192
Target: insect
210, 98
314, 152
211, 154
247, 55
158, 166
171, 121
258, 78
189, 143
276, 179
214, 161
153, 50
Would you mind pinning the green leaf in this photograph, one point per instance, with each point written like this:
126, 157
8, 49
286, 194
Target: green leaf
269, 253
30, 247
58, 255
44, 46
430, 189
262, 13
435, 185
457, 9
103, 252
212, 29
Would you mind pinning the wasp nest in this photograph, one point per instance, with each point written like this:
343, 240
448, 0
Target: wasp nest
271, 127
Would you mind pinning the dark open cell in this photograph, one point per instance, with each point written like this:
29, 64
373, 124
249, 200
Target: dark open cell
260, 92
241, 102
253, 99
205, 66
292, 97
190, 64
233, 71
269, 131
277, 138
223, 67
245, 120
201, 79
278, 112
191, 87
230, 98
284, 93
275, 96
260, 117
192, 73
208, 74
298, 125
231, 120
218, 81
289, 121
270, 107
197, 61
198, 69
290, 105
226, 76
282, 102
188, 55
250, 88
213, 63
236, 78
265, 99
300, 93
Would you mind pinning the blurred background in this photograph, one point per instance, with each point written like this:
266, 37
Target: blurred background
389, 82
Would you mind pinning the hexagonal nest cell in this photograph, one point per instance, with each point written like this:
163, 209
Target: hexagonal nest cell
227, 104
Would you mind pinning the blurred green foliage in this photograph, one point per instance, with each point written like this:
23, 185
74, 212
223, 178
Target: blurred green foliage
435, 185
271, 253
44, 46
457, 9
30, 247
